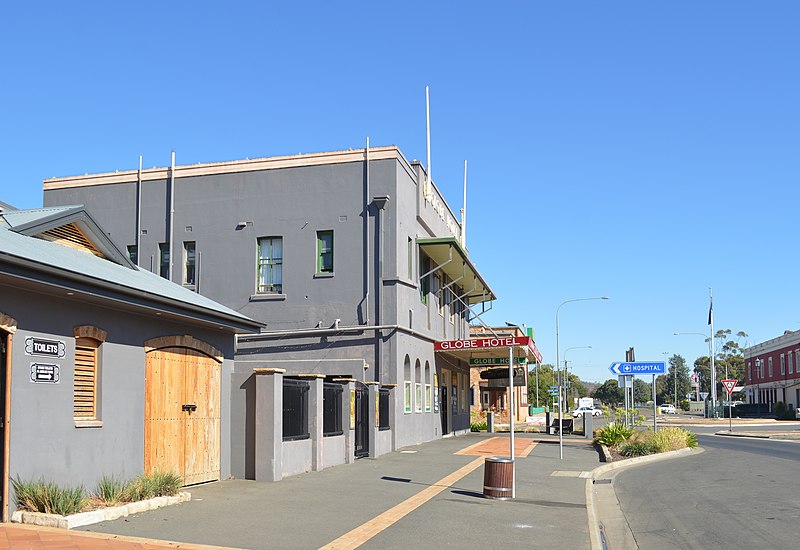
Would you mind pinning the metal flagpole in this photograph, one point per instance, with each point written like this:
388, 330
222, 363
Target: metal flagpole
713, 352
511, 416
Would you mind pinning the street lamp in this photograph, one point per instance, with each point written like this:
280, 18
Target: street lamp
759, 366
558, 363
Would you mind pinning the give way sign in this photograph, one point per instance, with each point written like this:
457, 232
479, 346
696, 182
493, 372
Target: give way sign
729, 385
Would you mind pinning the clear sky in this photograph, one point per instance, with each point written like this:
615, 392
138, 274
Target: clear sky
642, 150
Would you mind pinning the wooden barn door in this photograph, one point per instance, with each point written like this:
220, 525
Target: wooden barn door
182, 414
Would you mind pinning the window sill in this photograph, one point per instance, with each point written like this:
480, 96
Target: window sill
267, 297
88, 423
323, 275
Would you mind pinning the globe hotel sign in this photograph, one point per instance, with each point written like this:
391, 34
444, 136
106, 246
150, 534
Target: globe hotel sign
478, 344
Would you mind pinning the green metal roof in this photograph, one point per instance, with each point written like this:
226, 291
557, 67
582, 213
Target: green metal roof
453, 261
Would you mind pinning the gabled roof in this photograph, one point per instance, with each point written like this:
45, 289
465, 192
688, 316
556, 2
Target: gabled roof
27, 241
69, 225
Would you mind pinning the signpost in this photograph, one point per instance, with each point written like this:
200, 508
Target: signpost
628, 369
729, 385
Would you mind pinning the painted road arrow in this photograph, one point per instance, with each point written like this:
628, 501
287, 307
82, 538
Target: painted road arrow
638, 367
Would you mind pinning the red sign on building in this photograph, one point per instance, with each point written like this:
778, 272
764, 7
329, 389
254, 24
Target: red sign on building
482, 343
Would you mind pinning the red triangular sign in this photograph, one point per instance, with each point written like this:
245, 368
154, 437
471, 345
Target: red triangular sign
729, 385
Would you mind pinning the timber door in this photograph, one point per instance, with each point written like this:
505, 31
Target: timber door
182, 414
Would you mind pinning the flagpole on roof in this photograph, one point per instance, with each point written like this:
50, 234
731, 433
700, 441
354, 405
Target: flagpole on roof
428, 177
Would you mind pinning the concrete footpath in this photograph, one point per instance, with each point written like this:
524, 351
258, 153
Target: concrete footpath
430, 495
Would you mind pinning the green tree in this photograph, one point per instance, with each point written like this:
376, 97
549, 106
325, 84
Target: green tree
609, 393
574, 389
547, 378
729, 353
642, 391
677, 377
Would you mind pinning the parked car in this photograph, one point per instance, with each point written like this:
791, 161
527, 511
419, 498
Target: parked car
580, 410
668, 408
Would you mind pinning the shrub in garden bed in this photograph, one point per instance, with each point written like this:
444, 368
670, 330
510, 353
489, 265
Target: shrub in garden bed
49, 498
630, 443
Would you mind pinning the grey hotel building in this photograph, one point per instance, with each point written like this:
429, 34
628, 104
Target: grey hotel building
352, 260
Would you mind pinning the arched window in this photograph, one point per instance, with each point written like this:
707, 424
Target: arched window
428, 387
407, 385
417, 387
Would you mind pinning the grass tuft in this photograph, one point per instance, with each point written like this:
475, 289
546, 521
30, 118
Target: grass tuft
49, 498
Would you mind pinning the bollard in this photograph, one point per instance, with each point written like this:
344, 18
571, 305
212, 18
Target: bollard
490, 423
588, 428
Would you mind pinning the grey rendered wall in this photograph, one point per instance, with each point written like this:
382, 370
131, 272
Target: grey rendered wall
294, 203
296, 457
334, 452
44, 441
291, 203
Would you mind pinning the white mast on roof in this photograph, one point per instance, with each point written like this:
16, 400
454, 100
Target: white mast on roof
427, 190
464, 212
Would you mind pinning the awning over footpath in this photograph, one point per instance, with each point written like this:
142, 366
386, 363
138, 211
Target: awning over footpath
492, 347
451, 259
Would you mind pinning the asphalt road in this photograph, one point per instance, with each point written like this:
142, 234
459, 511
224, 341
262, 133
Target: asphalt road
740, 493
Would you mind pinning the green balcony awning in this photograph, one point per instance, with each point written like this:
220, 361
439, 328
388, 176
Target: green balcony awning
449, 258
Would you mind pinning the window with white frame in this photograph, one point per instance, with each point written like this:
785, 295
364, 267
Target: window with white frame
428, 397
270, 265
791, 366
189, 264
428, 389
783, 364
769, 366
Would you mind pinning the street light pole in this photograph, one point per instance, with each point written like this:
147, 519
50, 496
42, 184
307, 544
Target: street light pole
558, 368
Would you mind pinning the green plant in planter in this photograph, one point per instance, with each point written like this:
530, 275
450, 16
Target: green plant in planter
613, 434
110, 490
49, 498
636, 448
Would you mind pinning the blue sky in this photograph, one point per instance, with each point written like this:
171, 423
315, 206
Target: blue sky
642, 150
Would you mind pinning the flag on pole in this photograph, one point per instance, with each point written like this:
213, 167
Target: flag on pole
710, 309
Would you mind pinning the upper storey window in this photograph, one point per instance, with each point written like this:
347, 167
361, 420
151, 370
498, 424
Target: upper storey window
270, 265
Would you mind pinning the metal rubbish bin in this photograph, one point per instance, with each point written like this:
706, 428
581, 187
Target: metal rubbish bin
498, 475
